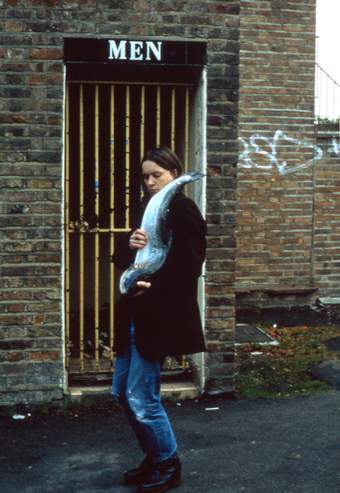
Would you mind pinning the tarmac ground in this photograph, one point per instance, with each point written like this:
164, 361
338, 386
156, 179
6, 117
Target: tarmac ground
226, 446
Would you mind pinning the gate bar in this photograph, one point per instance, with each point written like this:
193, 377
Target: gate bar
127, 156
112, 218
96, 238
186, 138
100, 230
81, 237
142, 122
132, 83
173, 118
158, 117
67, 239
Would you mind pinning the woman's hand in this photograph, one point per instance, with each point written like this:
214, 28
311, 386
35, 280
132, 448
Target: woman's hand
144, 285
138, 239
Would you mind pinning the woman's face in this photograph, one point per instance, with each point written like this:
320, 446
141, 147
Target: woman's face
155, 177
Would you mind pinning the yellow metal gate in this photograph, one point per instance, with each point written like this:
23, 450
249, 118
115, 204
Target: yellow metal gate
108, 127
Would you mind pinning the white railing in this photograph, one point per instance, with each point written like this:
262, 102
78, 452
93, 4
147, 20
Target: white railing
327, 95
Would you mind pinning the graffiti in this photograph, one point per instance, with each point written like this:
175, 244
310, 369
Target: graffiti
264, 153
335, 148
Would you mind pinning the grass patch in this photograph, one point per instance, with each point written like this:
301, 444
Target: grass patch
284, 370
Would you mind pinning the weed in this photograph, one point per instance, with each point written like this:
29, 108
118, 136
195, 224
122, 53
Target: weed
284, 370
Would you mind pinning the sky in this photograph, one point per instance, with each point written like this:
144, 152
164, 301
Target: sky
328, 43
328, 32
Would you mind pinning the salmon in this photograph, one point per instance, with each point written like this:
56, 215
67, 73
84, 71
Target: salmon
150, 259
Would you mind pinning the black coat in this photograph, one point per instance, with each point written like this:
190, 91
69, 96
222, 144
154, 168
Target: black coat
166, 316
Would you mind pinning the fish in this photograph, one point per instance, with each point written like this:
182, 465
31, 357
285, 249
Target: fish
150, 258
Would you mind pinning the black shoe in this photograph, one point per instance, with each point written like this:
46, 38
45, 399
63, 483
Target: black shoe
138, 474
163, 476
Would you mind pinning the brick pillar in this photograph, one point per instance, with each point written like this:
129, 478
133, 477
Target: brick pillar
326, 256
277, 147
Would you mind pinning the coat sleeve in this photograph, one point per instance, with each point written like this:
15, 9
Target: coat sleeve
187, 251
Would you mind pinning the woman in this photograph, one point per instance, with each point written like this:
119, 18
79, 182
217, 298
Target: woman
161, 318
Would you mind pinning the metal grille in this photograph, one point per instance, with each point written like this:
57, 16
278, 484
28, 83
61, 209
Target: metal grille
108, 128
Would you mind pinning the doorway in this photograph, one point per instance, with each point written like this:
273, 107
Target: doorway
109, 124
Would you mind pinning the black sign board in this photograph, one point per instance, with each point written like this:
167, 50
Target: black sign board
135, 51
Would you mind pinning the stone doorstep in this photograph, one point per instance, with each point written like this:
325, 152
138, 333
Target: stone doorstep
177, 390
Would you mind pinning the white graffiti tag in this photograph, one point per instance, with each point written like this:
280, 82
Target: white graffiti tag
266, 150
335, 149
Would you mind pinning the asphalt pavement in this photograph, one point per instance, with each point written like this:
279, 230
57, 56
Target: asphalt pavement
226, 446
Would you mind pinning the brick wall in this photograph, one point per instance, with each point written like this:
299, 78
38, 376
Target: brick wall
326, 251
31, 119
275, 177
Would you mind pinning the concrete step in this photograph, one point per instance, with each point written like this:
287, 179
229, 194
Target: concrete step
169, 390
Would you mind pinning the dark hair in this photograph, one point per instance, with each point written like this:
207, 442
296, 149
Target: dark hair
166, 158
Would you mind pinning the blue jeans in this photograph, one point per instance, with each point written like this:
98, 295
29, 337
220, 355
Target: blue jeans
136, 383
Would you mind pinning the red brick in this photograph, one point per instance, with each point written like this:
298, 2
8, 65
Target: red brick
43, 3
79, 3
39, 319
45, 79
44, 355
15, 356
46, 54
